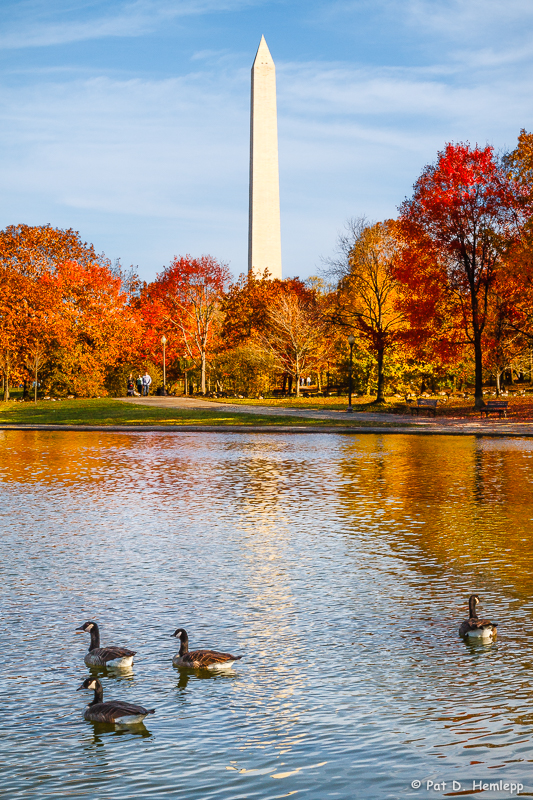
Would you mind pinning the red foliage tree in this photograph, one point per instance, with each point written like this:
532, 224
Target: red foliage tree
464, 207
189, 293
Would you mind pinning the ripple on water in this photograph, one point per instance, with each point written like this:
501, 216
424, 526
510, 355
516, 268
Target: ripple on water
338, 566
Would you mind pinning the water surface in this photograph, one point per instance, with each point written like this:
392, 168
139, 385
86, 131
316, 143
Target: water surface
339, 566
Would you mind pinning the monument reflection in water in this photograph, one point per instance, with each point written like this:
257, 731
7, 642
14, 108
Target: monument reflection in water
339, 566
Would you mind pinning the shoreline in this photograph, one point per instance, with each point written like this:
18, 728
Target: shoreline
352, 430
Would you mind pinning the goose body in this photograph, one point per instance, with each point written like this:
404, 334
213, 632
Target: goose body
114, 711
475, 628
114, 657
200, 659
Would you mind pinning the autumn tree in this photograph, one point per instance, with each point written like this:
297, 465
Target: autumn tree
62, 308
190, 290
366, 300
247, 302
514, 284
97, 329
13, 305
292, 334
34, 250
271, 316
29, 303
465, 207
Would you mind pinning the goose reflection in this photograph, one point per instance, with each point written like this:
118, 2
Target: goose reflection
102, 731
478, 645
119, 676
203, 674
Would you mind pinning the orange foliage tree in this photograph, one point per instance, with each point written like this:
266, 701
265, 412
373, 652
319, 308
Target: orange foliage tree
97, 328
366, 299
62, 305
283, 318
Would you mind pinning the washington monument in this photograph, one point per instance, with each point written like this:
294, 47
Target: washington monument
264, 236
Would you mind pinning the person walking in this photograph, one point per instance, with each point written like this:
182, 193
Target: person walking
139, 383
146, 384
131, 386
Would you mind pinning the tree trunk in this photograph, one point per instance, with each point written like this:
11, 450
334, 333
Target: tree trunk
35, 393
381, 378
478, 352
7, 372
297, 379
369, 381
203, 371
498, 389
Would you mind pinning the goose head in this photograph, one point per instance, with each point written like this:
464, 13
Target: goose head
90, 683
86, 627
181, 634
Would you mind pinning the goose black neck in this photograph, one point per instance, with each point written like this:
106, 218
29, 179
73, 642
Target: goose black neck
98, 694
472, 608
95, 637
184, 643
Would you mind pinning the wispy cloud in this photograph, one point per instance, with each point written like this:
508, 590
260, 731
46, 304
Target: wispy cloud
149, 167
467, 20
173, 153
125, 20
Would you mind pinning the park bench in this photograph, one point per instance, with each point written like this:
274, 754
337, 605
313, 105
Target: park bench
495, 407
425, 403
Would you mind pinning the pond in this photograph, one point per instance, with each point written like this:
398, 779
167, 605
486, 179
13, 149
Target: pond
338, 566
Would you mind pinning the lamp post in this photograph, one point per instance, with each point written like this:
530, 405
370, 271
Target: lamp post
164, 342
351, 342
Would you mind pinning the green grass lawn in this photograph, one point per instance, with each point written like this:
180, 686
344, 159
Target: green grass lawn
109, 411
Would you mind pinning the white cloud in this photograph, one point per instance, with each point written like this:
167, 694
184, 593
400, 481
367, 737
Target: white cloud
129, 19
151, 168
468, 20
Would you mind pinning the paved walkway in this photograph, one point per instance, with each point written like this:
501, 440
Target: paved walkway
269, 411
399, 423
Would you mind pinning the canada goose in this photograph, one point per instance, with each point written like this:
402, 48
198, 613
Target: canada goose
118, 657
114, 710
474, 627
200, 659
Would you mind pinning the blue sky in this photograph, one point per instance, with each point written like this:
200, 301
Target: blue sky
129, 121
